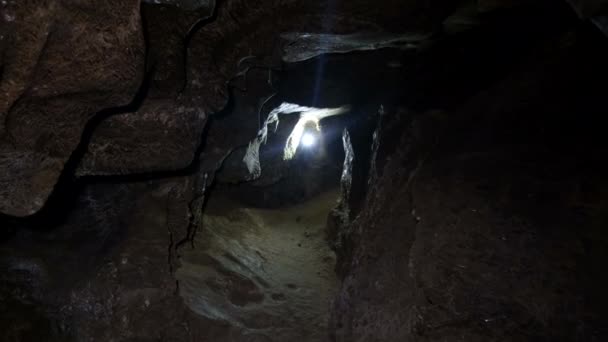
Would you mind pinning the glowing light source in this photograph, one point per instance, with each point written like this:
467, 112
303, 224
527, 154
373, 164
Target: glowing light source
308, 140
309, 116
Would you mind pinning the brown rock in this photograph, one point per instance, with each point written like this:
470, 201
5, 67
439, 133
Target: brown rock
161, 136
63, 62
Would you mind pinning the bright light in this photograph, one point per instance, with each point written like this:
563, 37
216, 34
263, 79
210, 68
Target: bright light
308, 140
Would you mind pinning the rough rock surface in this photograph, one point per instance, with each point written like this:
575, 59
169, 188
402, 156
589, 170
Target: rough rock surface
267, 271
161, 136
104, 271
63, 61
479, 215
185, 4
482, 223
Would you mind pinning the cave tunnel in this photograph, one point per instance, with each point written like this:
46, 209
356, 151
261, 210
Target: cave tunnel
341, 171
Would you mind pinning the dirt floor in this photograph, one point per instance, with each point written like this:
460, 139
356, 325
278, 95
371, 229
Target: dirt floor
267, 272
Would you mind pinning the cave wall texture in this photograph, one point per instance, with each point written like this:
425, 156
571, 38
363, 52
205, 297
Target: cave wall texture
476, 212
62, 62
484, 219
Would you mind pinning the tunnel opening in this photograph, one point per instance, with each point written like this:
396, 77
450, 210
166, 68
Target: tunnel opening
263, 259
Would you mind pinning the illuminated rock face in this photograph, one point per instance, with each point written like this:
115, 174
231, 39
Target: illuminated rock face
267, 271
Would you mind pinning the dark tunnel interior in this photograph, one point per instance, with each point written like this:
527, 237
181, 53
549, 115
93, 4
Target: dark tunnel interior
288, 170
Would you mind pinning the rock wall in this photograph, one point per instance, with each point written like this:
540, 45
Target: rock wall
483, 219
63, 62
479, 216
